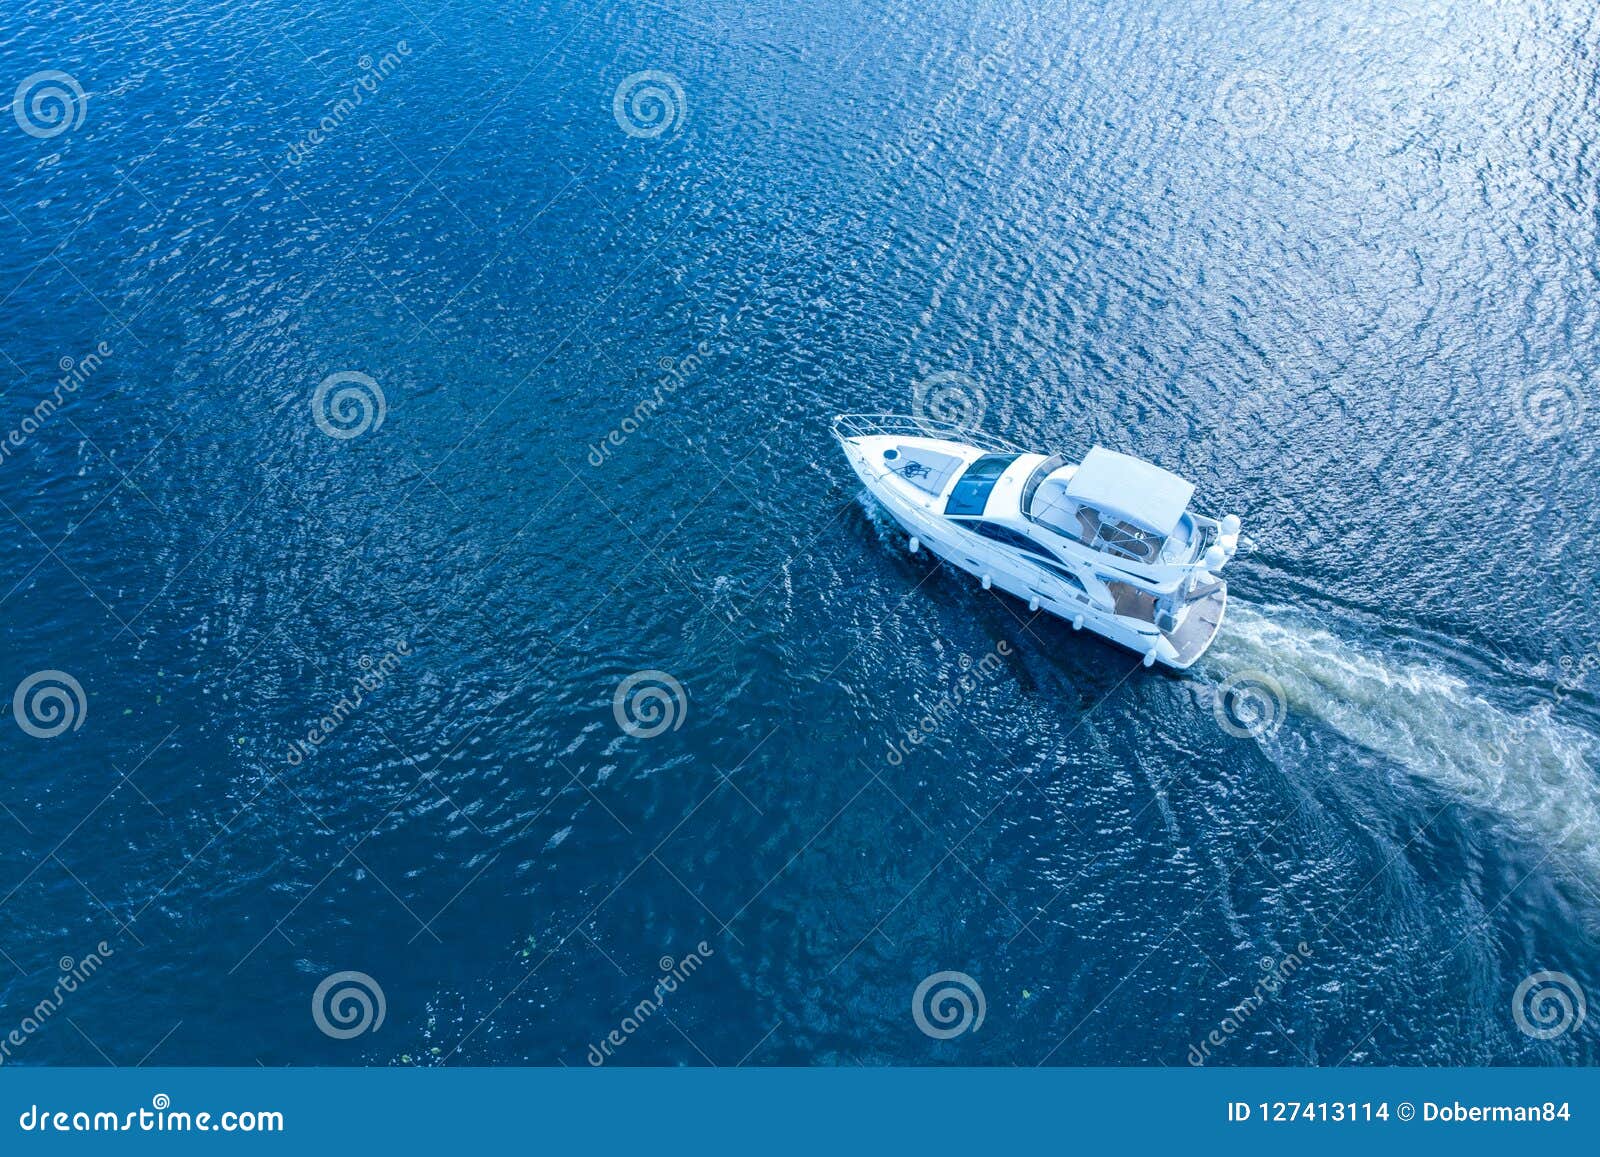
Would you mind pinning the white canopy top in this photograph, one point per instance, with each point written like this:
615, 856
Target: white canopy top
1132, 489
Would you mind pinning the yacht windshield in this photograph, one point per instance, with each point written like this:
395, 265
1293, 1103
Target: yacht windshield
1042, 471
971, 493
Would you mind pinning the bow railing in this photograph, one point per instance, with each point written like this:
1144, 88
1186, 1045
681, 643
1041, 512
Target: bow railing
918, 426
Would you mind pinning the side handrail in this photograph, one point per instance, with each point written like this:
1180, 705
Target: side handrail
918, 426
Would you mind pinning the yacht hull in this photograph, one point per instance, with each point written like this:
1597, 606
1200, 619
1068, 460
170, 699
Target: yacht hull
1008, 570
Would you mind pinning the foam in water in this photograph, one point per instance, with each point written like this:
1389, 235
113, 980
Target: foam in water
1531, 771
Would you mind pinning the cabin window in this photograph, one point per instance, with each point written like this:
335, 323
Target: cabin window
1038, 555
1046, 468
1066, 576
1008, 537
971, 493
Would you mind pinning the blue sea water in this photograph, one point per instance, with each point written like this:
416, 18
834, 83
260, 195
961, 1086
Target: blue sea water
1334, 262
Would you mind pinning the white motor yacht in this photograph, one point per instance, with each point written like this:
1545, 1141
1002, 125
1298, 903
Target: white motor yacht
1108, 542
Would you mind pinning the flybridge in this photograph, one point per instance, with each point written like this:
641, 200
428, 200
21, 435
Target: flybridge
1119, 504
1137, 491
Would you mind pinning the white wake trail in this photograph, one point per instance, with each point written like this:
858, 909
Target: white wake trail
1533, 772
